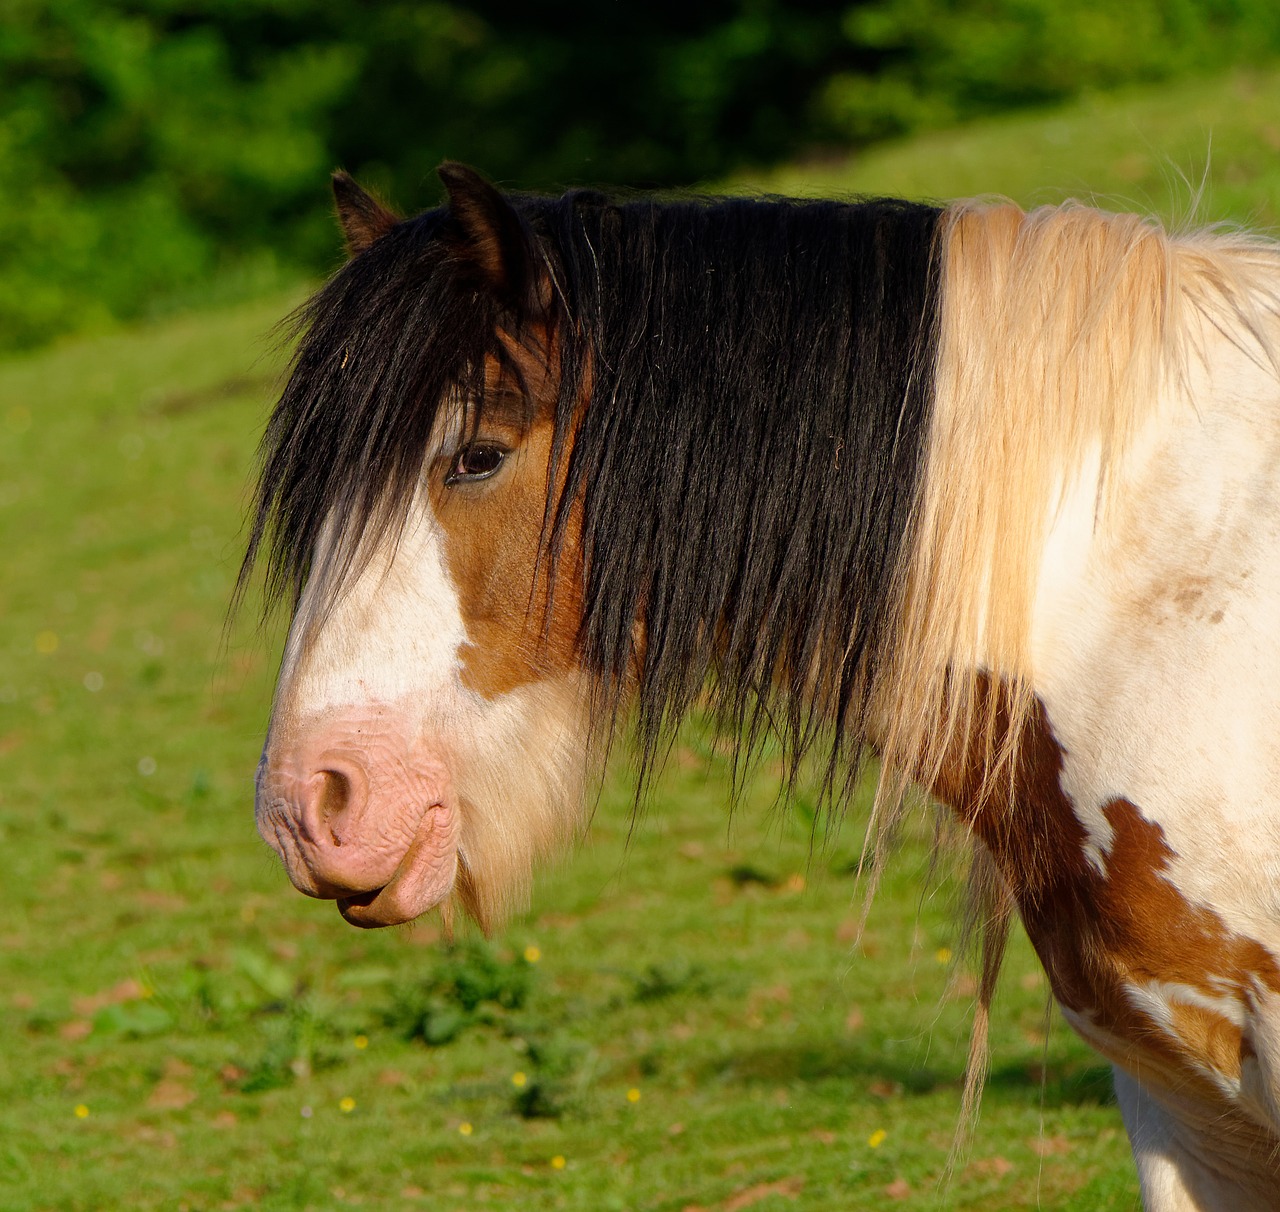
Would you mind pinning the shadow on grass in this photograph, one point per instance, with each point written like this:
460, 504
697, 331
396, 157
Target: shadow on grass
1065, 1084
1060, 1084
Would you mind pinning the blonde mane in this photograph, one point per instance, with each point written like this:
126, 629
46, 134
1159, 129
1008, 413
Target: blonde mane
1062, 331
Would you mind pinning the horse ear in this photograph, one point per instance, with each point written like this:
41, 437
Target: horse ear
361, 216
497, 239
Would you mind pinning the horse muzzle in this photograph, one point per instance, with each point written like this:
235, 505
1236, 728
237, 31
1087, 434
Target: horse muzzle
362, 817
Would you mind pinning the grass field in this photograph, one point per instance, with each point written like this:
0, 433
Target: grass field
681, 1021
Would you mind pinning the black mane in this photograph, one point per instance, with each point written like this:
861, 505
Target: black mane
761, 378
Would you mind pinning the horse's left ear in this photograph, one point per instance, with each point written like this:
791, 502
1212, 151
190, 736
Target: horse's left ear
498, 240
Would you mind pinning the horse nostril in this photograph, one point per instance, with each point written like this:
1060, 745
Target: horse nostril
333, 800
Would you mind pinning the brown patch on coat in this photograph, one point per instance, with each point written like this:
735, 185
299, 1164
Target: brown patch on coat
522, 621
1101, 935
1194, 597
1212, 1036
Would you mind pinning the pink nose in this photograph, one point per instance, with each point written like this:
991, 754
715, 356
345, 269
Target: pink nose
358, 812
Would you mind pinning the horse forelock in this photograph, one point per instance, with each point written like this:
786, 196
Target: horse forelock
385, 351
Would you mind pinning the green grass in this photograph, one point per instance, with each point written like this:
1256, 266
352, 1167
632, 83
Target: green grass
181, 1028
1204, 151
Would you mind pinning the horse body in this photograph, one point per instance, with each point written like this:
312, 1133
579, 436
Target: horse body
1157, 665
1049, 519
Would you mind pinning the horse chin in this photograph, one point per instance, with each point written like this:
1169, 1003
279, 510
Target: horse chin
423, 879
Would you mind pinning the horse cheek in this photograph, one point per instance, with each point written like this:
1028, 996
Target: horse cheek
521, 610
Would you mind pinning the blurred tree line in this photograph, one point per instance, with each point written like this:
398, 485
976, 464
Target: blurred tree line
160, 151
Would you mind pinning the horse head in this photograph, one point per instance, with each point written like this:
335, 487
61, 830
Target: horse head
429, 737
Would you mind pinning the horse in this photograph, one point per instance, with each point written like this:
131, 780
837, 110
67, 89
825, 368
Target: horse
992, 494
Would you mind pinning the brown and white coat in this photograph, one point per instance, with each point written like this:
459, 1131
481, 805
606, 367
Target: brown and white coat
1073, 640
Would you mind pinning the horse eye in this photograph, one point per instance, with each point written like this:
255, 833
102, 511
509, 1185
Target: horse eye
475, 461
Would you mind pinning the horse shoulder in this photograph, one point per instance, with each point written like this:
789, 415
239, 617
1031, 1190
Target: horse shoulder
1156, 652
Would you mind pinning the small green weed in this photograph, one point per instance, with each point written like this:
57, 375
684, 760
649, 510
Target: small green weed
471, 985
296, 1042
670, 978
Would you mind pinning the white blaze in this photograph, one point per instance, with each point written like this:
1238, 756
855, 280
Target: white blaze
394, 632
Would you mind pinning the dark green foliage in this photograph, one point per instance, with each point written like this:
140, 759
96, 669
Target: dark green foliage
929, 63
470, 985
658, 982
538, 1101
557, 1065
148, 147
293, 1042
158, 152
